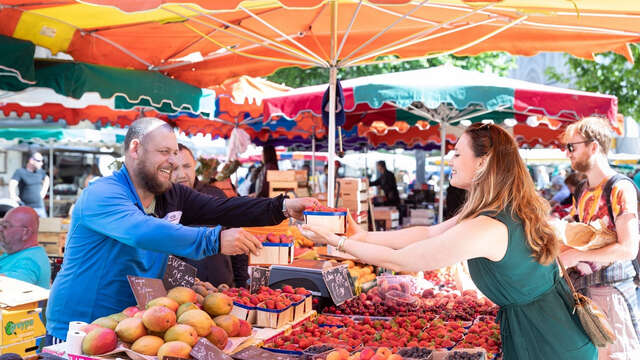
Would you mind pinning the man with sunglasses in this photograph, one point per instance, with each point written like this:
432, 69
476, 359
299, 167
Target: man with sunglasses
609, 200
22, 257
29, 185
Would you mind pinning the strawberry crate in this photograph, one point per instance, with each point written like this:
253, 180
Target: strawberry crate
273, 318
244, 312
333, 221
273, 254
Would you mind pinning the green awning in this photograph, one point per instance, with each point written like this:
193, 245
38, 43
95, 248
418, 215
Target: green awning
16, 64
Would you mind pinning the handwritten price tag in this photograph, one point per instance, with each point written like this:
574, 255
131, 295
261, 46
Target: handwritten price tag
178, 273
146, 289
205, 350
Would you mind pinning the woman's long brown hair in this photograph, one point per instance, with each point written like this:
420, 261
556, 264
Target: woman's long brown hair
504, 181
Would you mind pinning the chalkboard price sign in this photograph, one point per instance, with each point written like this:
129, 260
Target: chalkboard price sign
178, 273
205, 350
338, 282
146, 289
259, 277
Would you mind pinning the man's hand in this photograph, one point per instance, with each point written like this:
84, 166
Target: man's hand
238, 241
295, 207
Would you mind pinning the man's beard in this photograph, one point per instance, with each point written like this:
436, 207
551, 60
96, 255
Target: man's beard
581, 165
150, 180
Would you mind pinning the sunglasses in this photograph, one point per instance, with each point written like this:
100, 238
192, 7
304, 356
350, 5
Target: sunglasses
571, 146
36, 160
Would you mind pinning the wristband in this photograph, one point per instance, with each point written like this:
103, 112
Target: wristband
285, 211
340, 246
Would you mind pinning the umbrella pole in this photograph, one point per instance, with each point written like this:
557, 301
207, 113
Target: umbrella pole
50, 178
443, 140
333, 76
313, 160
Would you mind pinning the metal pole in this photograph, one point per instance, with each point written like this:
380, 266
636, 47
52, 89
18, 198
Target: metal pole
313, 160
50, 178
333, 75
443, 141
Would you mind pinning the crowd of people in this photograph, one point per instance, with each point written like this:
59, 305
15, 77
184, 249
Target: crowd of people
155, 205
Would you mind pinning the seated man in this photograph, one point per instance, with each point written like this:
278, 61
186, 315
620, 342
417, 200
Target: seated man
23, 258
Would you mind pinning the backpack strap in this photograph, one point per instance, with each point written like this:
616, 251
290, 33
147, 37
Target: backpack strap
608, 188
606, 192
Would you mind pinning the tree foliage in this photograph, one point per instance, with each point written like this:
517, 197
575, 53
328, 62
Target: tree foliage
496, 62
610, 74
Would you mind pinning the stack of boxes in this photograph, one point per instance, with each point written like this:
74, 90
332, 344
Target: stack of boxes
422, 217
22, 328
52, 234
387, 214
282, 182
354, 196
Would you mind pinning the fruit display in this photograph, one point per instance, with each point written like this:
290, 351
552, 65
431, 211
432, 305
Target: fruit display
360, 273
415, 352
169, 325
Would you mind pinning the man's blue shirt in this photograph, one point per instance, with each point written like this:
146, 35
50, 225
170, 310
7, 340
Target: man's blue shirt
111, 237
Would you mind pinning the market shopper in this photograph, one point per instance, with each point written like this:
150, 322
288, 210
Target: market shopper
387, 181
216, 269
606, 274
29, 185
503, 233
270, 160
128, 223
23, 259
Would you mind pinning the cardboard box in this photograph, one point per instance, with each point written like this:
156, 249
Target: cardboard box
352, 185
23, 348
52, 224
273, 254
281, 175
19, 311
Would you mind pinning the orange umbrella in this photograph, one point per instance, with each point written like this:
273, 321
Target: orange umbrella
207, 41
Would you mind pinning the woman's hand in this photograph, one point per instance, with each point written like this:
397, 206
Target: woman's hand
354, 231
319, 235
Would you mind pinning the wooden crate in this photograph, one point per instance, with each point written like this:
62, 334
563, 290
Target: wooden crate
388, 214
273, 254
52, 242
274, 318
281, 176
281, 187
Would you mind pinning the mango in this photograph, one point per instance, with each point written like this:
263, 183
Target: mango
174, 348
147, 345
182, 295
130, 329
106, 322
197, 319
182, 332
186, 307
218, 337
217, 304
99, 341
229, 323
159, 318
163, 301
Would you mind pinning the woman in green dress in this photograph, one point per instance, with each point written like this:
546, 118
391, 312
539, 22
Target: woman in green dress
503, 233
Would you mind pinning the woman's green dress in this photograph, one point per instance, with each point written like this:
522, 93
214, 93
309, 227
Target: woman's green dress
535, 317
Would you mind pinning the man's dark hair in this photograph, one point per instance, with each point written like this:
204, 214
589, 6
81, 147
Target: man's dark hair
382, 163
141, 127
184, 147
